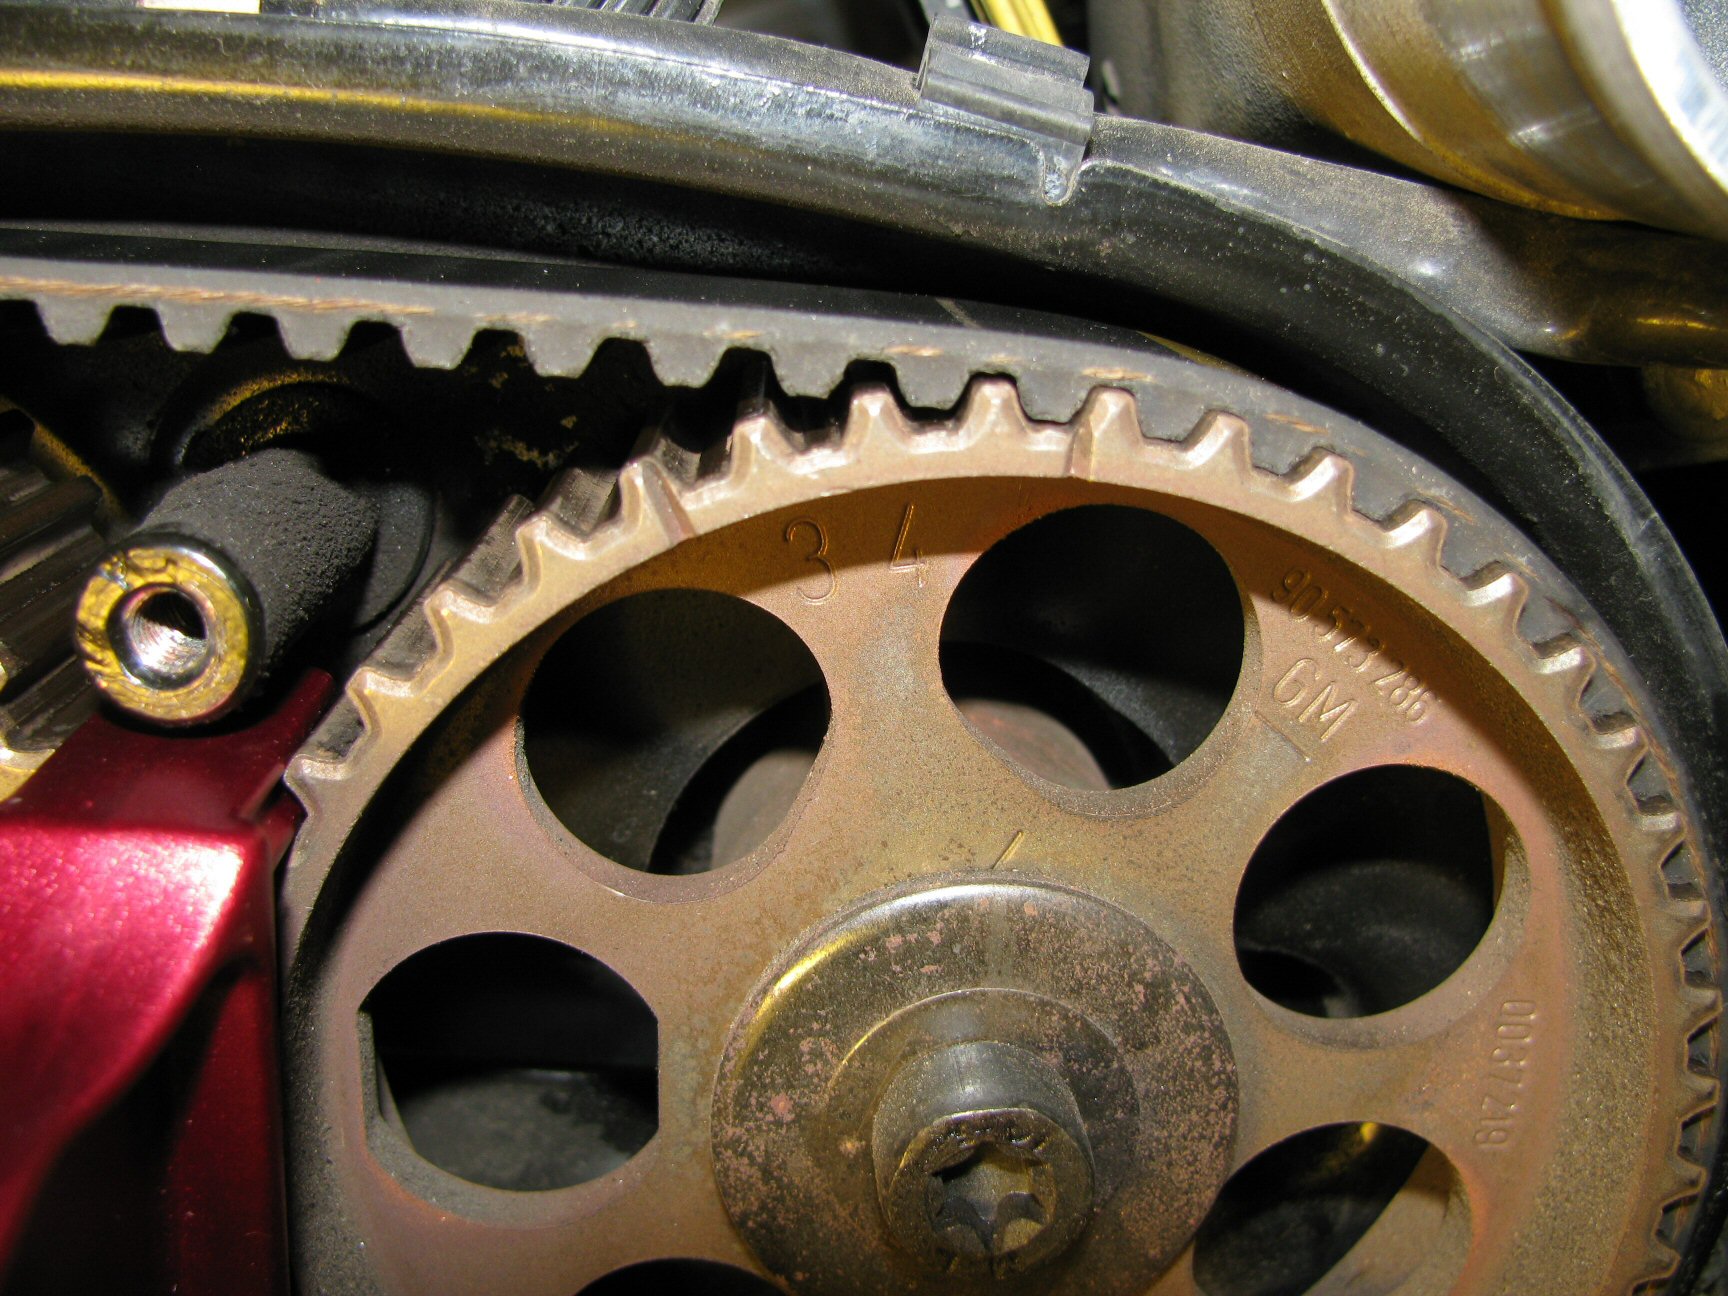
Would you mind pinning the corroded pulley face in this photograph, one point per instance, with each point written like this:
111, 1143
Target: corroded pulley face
982, 1080
1149, 852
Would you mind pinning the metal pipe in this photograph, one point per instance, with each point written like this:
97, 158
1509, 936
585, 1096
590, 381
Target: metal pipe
1602, 108
181, 621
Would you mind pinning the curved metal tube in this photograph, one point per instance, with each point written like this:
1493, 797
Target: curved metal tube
1603, 108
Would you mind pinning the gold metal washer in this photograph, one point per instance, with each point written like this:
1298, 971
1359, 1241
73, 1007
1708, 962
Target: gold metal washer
135, 653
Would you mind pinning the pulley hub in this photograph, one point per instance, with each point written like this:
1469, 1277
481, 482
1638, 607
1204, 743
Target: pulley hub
987, 1078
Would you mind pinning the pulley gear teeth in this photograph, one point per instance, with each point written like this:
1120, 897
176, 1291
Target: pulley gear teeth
649, 495
680, 463
991, 409
1324, 476
1564, 654
1220, 441
579, 500
395, 665
34, 726
1106, 426
762, 438
667, 496
1703, 1093
1419, 528
48, 544
873, 416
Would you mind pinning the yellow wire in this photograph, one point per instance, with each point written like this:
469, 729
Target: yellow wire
1023, 18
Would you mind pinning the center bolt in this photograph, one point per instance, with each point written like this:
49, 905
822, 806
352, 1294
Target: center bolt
982, 1161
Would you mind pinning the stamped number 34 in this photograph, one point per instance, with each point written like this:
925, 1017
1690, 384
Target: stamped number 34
812, 537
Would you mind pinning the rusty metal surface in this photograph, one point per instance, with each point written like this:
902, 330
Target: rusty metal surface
1553, 1075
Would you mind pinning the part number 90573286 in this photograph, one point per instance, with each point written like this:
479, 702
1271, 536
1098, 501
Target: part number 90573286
1348, 660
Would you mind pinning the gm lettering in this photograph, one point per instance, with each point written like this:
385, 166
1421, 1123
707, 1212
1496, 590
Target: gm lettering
1349, 660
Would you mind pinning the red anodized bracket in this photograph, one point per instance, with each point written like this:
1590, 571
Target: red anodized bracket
137, 885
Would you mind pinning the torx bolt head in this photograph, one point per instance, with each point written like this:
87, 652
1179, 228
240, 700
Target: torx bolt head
982, 1161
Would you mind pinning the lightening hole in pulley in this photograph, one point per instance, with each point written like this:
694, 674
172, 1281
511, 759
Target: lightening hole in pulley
672, 730
1095, 647
1296, 1213
1369, 892
514, 1061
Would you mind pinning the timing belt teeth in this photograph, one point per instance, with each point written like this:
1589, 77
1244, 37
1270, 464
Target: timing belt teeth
562, 315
